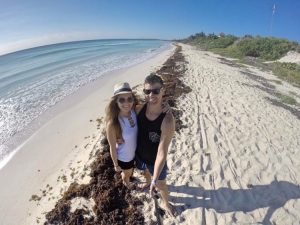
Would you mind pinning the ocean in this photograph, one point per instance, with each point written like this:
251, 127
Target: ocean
34, 80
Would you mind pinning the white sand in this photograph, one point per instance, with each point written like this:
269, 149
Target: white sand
38, 167
291, 56
238, 159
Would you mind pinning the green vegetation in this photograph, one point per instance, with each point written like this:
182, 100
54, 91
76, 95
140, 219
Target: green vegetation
211, 41
287, 71
286, 99
252, 51
276, 81
231, 52
265, 48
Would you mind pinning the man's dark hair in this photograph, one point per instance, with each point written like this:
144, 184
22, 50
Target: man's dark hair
153, 79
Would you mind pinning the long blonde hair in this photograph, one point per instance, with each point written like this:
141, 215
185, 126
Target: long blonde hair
112, 111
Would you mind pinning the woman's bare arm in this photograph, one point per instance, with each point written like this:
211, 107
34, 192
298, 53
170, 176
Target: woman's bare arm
112, 140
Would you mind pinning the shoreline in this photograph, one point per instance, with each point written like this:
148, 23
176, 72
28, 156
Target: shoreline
47, 150
19, 139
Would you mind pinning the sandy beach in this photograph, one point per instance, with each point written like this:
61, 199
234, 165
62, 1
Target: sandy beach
44, 166
234, 160
237, 160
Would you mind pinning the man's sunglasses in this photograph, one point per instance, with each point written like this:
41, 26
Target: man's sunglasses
155, 91
123, 100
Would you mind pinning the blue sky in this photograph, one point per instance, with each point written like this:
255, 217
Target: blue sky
29, 23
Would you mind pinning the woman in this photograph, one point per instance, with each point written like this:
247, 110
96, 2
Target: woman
121, 124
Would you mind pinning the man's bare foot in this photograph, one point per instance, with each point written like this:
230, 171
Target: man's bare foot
142, 186
170, 209
129, 185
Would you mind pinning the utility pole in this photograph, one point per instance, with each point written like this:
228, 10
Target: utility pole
272, 19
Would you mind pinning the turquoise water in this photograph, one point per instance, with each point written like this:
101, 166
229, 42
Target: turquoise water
34, 80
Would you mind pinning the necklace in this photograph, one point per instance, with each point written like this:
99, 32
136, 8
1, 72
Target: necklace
131, 121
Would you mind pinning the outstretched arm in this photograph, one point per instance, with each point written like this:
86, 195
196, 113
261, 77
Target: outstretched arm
167, 132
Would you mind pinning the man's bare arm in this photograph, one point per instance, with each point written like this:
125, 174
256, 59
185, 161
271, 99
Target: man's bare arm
167, 132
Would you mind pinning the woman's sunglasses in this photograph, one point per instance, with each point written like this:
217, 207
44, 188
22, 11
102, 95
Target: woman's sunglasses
155, 91
123, 100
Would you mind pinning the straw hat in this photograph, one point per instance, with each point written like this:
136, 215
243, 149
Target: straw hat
122, 88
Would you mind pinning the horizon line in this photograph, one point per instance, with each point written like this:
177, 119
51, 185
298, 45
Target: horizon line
74, 41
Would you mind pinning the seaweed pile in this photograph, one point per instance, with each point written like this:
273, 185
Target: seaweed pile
171, 72
114, 203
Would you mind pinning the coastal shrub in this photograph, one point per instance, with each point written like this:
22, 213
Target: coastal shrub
212, 36
211, 41
248, 36
289, 66
223, 42
230, 51
195, 37
287, 71
265, 48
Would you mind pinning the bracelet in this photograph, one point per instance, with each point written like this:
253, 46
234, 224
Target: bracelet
153, 182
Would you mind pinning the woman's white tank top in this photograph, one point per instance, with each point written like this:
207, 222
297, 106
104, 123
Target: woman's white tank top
126, 150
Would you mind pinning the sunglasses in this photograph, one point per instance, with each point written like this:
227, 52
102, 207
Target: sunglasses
123, 100
155, 91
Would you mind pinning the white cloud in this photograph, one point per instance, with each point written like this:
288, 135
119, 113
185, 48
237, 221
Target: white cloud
46, 40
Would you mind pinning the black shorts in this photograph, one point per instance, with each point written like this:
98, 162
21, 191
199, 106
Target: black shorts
126, 165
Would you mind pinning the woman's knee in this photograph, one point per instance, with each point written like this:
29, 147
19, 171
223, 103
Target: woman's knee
127, 173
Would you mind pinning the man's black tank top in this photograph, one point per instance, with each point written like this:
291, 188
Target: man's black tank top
148, 136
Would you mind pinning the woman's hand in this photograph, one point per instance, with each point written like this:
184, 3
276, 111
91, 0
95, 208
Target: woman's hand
166, 107
117, 168
120, 141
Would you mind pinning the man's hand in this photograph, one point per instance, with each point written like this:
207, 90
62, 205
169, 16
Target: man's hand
153, 188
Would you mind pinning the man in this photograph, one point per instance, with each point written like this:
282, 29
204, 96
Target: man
155, 131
